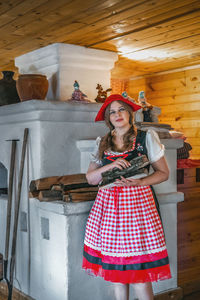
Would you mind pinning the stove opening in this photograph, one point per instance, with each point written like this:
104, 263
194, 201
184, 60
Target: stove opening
3, 180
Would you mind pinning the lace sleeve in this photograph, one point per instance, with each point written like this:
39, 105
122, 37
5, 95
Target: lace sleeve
94, 156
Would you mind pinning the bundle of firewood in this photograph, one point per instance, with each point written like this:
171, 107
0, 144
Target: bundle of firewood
146, 125
68, 188
136, 170
161, 128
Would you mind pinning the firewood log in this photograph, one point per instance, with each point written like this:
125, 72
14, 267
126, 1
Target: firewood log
34, 194
47, 182
79, 197
71, 189
85, 186
48, 195
57, 187
137, 167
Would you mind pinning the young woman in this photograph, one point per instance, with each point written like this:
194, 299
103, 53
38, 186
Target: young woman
124, 239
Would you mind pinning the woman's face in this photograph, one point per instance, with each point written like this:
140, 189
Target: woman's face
119, 116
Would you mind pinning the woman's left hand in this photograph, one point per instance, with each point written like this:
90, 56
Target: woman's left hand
160, 174
128, 182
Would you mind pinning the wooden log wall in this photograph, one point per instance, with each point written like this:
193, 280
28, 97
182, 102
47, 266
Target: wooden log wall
119, 85
135, 86
178, 95
189, 233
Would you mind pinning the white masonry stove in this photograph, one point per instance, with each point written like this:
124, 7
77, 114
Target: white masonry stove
61, 136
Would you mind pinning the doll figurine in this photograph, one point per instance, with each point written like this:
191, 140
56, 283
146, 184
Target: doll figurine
148, 113
146, 107
126, 96
77, 95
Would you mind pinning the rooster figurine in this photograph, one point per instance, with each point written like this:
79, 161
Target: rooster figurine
102, 95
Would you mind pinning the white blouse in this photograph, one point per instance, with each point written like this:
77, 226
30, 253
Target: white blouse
155, 150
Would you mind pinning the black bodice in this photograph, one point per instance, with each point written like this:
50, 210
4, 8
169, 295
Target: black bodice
139, 149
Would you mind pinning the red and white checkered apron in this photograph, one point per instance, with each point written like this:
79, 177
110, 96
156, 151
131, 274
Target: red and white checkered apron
124, 239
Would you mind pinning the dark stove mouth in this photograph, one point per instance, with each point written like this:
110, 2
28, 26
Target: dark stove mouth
3, 180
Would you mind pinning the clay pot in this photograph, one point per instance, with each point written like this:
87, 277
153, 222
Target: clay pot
8, 91
32, 87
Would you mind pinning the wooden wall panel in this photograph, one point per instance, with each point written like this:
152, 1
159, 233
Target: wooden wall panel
178, 96
189, 236
136, 86
119, 86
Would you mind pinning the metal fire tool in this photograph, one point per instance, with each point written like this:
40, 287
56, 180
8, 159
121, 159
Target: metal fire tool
16, 216
9, 206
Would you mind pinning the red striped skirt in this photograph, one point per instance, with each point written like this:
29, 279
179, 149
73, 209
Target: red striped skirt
124, 239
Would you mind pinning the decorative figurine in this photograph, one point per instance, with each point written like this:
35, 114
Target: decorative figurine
77, 95
147, 118
102, 95
126, 96
148, 113
146, 107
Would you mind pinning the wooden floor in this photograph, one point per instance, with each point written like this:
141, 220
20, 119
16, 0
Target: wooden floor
194, 296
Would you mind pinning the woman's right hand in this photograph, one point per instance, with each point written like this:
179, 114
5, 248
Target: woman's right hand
120, 163
94, 171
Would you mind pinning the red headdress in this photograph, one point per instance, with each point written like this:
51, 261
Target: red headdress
111, 98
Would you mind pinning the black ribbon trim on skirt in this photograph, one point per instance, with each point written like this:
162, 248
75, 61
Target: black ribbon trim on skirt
135, 267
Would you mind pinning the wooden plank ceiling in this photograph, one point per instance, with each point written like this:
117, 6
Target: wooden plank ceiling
149, 35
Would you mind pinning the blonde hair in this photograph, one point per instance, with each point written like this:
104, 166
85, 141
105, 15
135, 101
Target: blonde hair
107, 142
